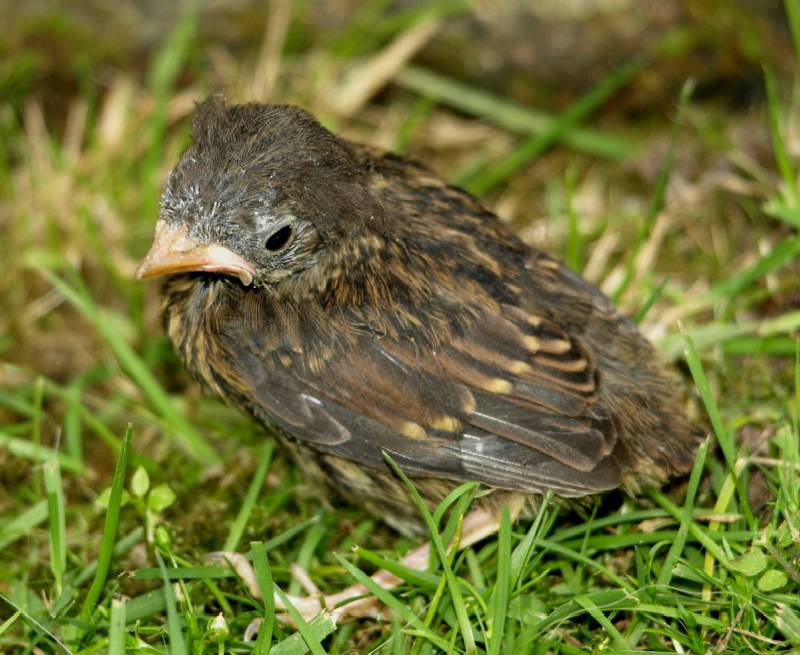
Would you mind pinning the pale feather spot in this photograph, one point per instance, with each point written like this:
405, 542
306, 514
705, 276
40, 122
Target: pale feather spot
446, 424
202, 363
352, 473
413, 430
518, 367
374, 243
498, 385
469, 405
556, 346
174, 327
532, 343
573, 366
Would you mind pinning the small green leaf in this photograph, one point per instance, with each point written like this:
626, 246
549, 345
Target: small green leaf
160, 498
751, 563
102, 500
772, 580
784, 535
162, 538
140, 482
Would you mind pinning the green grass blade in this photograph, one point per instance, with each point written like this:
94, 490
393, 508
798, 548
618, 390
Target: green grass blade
415, 117
17, 527
43, 629
320, 627
146, 605
573, 250
724, 438
588, 604
508, 115
57, 520
10, 621
535, 146
797, 386
563, 550
694, 529
416, 578
451, 498
782, 253
263, 574
452, 585
184, 573
177, 643
524, 548
310, 636
388, 599
109, 529
784, 209
676, 549
289, 533
778, 141
498, 606
238, 526
788, 622
679, 543
116, 628
38, 398
651, 299
460, 499
28, 450
306, 553
16, 404
793, 13
72, 421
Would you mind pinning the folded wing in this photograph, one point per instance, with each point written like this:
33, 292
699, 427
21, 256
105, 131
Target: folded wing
513, 403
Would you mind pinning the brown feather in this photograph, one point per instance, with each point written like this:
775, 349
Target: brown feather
406, 318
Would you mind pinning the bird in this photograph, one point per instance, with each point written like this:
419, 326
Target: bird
359, 307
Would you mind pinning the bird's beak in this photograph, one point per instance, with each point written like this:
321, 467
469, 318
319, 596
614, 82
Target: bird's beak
173, 251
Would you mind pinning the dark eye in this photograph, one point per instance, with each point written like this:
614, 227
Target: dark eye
278, 239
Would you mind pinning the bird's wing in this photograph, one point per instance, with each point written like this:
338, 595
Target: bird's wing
513, 403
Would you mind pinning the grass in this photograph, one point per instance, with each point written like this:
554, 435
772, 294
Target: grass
117, 476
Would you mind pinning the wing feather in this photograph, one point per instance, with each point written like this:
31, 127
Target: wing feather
513, 403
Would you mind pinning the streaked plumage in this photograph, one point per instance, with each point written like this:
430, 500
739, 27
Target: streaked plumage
399, 316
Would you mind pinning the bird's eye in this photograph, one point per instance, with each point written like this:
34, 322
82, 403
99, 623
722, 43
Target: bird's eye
278, 239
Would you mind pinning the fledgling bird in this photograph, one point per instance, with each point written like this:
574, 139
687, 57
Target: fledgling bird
360, 305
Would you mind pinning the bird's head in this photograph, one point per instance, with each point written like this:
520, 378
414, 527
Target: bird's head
263, 193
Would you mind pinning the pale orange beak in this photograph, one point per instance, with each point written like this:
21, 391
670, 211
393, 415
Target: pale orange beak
173, 251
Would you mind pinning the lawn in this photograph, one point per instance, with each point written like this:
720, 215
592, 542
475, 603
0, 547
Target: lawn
118, 476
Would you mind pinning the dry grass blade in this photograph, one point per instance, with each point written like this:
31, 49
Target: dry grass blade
363, 82
269, 60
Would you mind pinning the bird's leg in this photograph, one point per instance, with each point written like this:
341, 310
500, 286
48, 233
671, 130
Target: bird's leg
477, 525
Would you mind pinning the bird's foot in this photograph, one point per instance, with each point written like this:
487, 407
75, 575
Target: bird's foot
356, 601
